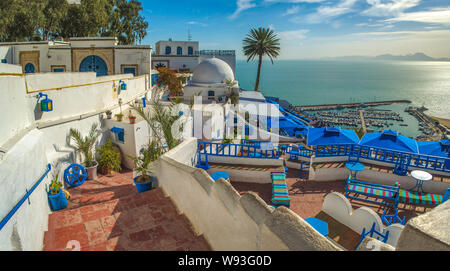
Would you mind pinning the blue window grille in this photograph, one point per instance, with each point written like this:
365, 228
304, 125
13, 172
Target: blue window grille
211, 93
29, 68
179, 51
168, 50
120, 134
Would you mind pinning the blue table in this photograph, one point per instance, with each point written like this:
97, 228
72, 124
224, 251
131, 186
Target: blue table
354, 167
220, 174
320, 225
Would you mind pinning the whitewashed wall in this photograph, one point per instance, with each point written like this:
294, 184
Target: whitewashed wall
227, 220
339, 207
34, 141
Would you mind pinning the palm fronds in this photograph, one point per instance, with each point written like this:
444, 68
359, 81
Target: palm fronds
85, 145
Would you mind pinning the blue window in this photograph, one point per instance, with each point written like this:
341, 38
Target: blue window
4, 61
29, 68
58, 70
211, 93
190, 50
94, 63
119, 134
168, 50
179, 51
131, 70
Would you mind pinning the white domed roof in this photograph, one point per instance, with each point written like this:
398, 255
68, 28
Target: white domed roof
212, 71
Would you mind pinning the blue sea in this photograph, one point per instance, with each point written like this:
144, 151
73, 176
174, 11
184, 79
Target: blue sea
309, 82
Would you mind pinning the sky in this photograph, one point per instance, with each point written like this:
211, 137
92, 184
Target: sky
307, 28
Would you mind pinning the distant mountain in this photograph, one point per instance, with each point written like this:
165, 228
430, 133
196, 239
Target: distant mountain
410, 57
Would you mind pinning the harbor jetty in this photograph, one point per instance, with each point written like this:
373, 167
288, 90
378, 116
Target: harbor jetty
348, 105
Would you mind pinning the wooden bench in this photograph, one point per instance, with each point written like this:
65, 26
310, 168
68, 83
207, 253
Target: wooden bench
374, 190
280, 192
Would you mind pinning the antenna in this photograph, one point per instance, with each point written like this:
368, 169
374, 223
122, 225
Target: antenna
189, 35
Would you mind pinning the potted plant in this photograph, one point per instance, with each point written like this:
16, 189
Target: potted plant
119, 116
56, 195
85, 146
108, 159
132, 118
148, 155
108, 114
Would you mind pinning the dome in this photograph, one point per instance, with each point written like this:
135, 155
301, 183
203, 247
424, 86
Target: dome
212, 71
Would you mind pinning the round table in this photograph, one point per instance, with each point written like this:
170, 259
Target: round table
354, 167
220, 174
420, 177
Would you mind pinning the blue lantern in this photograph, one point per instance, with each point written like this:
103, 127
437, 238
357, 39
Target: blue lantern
46, 104
122, 85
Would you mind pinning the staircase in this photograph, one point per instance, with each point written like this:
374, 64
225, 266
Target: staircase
108, 214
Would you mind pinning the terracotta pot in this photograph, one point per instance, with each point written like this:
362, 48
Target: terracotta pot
133, 120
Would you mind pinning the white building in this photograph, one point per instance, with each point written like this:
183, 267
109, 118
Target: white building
210, 81
184, 56
102, 55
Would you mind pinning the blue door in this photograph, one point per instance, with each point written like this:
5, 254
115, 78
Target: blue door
94, 64
29, 68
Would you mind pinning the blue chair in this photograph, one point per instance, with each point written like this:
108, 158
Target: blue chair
378, 235
392, 219
446, 195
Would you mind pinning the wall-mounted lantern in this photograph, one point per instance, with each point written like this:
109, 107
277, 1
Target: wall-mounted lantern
46, 104
122, 85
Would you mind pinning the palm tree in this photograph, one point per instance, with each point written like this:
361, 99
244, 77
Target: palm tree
260, 42
85, 145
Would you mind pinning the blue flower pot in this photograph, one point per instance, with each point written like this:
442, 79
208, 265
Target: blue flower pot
58, 201
142, 187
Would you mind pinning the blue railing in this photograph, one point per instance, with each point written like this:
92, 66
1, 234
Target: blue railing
295, 151
376, 154
236, 150
24, 198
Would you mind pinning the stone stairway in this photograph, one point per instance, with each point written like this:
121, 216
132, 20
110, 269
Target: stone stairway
108, 214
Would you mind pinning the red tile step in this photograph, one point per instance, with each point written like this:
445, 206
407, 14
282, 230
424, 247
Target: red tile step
147, 221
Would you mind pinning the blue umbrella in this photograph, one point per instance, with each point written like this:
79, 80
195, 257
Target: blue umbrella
331, 136
390, 140
435, 148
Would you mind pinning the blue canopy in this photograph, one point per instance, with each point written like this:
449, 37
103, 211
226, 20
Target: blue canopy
434, 148
330, 136
390, 140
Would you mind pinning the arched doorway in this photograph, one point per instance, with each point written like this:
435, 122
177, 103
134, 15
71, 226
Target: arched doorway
94, 63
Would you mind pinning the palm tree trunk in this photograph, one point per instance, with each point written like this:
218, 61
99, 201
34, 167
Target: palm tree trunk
259, 73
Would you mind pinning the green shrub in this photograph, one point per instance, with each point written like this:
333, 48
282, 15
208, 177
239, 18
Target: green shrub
55, 185
107, 156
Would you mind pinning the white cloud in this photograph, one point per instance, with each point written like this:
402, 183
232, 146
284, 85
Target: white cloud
326, 12
241, 6
293, 35
196, 23
292, 1
292, 10
387, 8
435, 16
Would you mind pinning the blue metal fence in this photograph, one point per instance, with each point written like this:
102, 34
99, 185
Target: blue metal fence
24, 198
377, 154
236, 150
